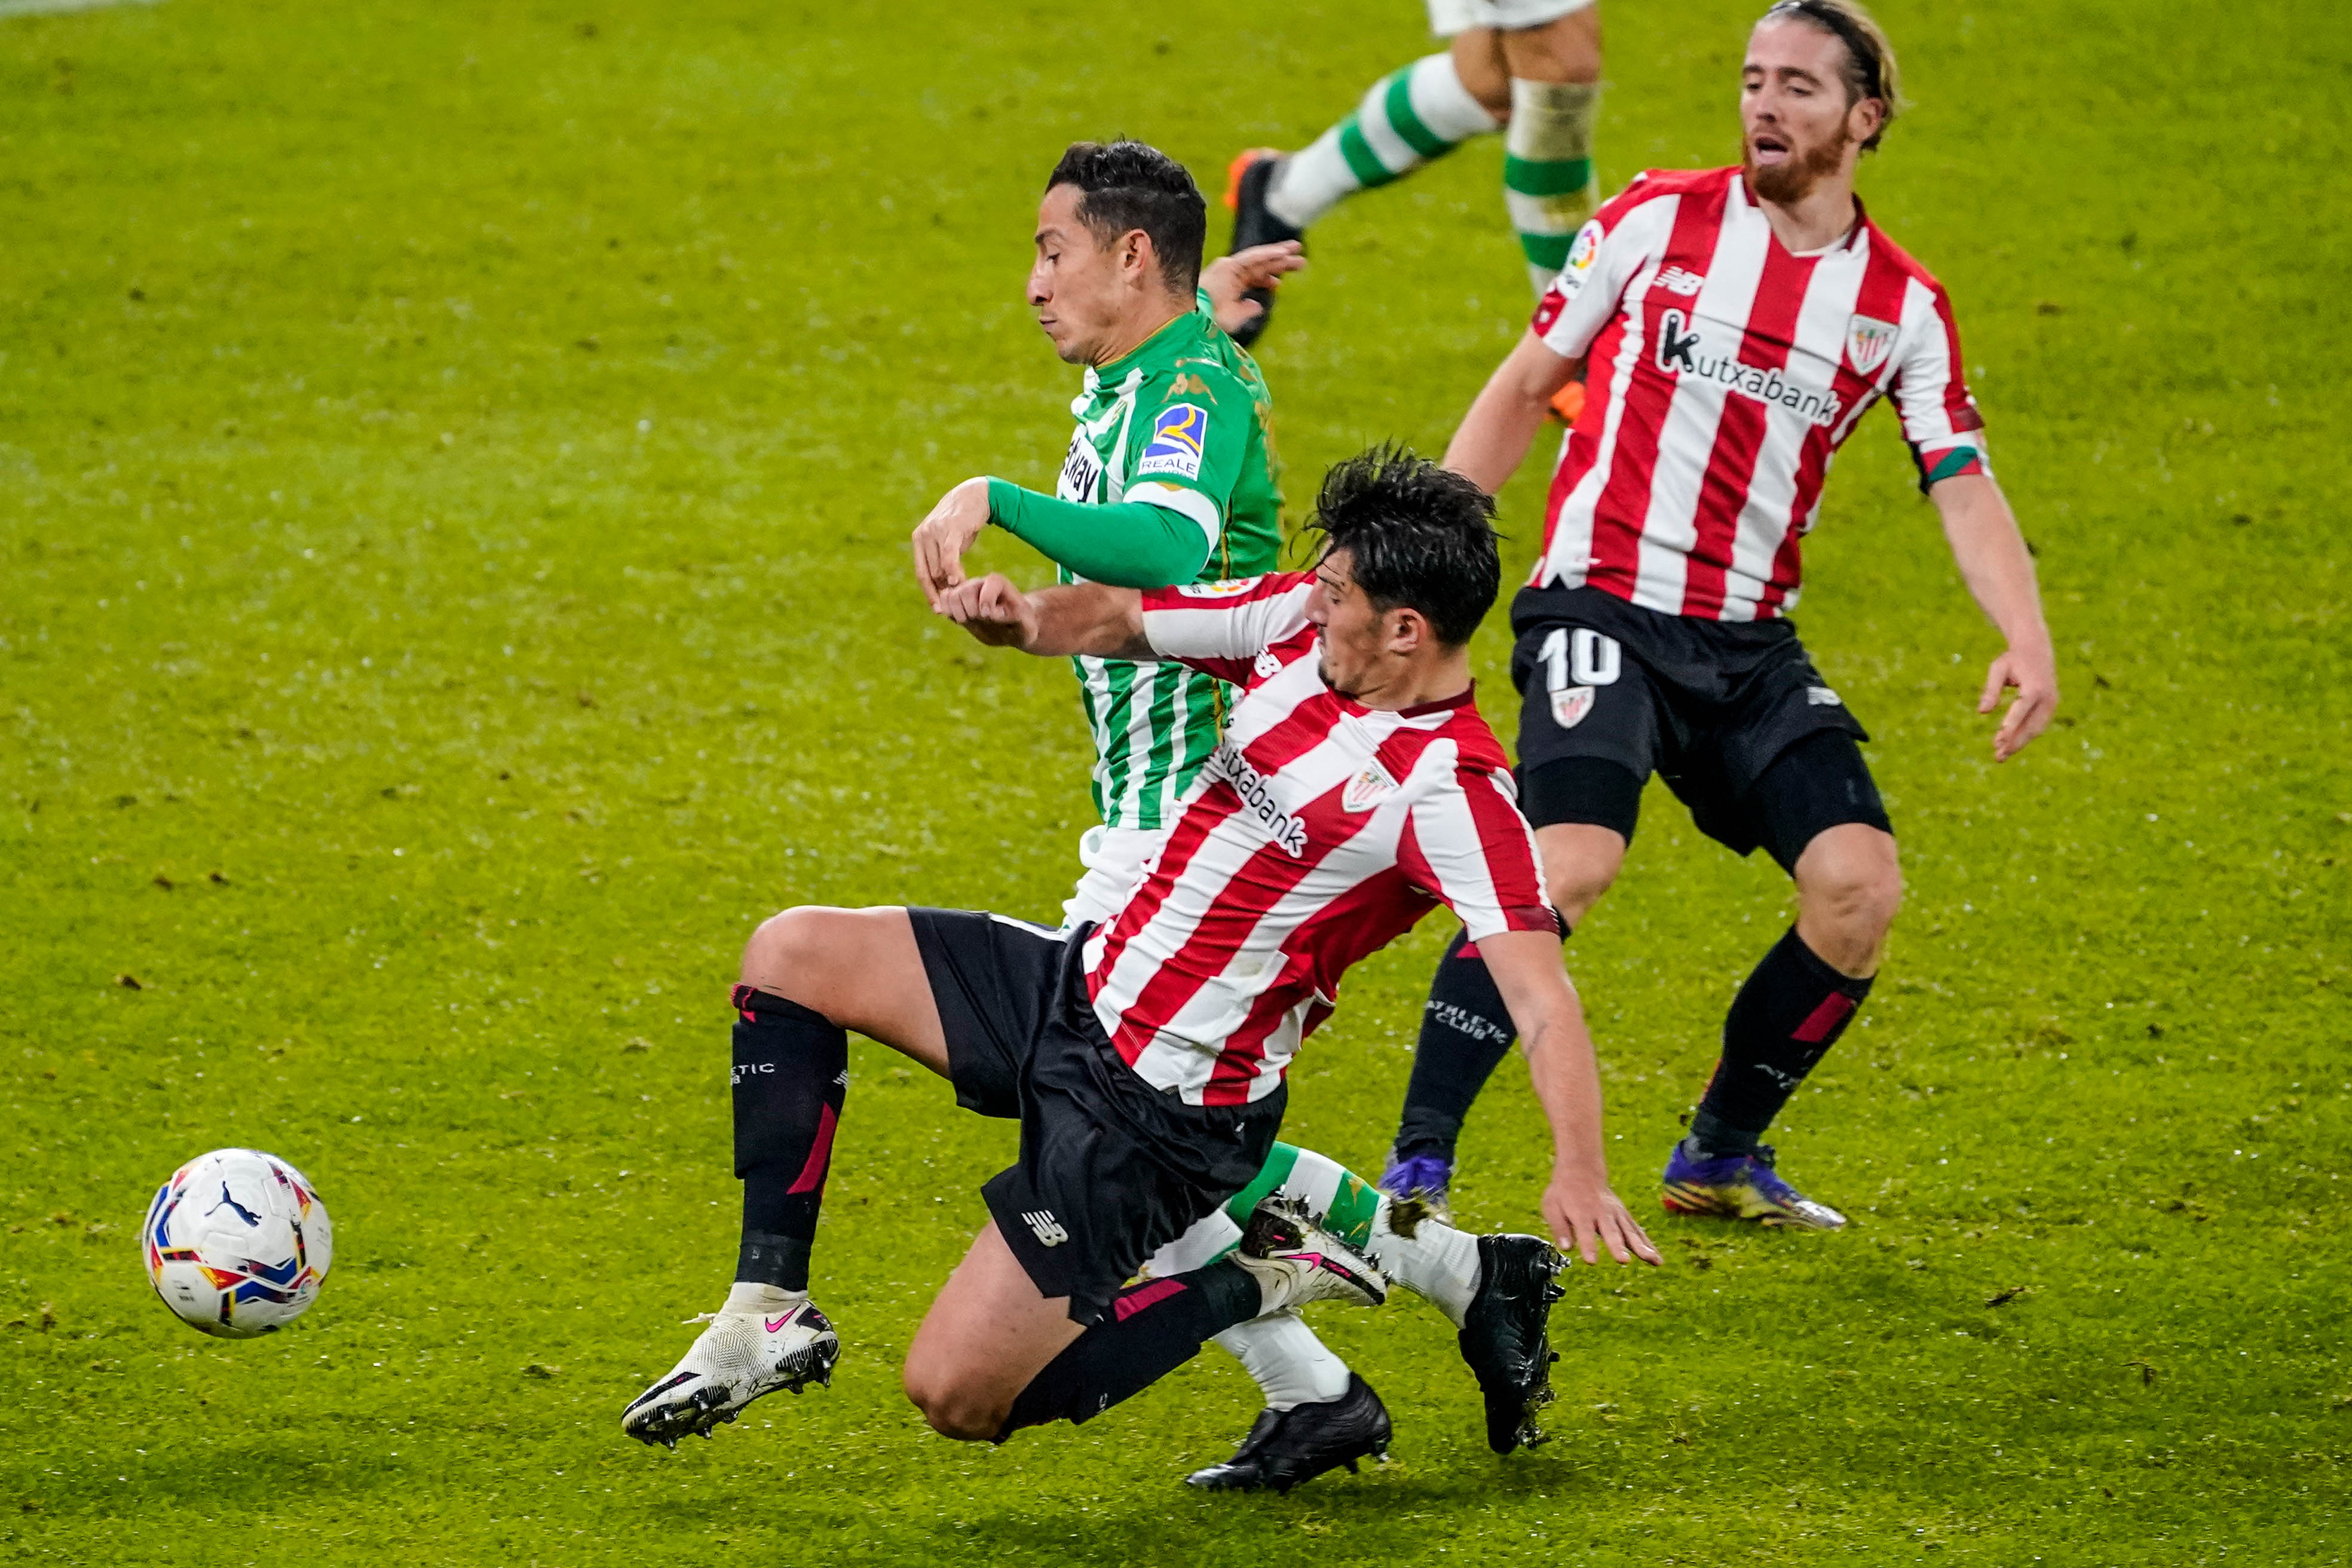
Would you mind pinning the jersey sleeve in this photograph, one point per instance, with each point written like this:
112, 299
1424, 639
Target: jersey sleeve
1130, 544
1940, 422
1468, 848
1601, 261
1222, 628
1190, 441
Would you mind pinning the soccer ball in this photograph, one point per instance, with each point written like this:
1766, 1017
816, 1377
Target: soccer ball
237, 1243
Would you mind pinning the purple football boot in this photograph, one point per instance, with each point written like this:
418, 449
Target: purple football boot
1741, 1186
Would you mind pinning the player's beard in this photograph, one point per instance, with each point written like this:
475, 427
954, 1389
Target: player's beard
1786, 184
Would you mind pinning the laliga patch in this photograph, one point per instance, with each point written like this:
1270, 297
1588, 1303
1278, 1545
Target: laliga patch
1868, 341
1822, 697
1367, 789
1225, 589
1570, 705
1178, 434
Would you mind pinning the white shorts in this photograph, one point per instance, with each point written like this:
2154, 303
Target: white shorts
1447, 17
1115, 860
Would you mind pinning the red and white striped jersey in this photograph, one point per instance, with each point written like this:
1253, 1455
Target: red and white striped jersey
1723, 373
1320, 830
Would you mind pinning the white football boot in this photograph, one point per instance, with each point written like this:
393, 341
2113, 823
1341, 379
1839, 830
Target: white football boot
1296, 1261
739, 1357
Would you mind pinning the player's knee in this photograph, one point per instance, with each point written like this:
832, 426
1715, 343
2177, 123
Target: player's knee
1859, 894
800, 942
1575, 889
952, 1406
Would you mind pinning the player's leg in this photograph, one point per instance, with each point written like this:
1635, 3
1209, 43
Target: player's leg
1496, 1290
996, 1353
1818, 812
1549, 182
809, 976
1588, 743
1416, 113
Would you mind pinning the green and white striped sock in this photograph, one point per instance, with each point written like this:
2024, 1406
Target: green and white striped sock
1410, 117
1436, 1262
1548, 176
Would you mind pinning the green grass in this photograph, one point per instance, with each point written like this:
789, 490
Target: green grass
454, 469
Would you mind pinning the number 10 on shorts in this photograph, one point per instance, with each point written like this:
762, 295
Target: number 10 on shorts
1575, 661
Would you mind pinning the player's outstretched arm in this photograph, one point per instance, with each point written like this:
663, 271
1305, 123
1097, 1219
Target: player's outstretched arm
1495, 435
1584, 1213
1999, 570
1053, 623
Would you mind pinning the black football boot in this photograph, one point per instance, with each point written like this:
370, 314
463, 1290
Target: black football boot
1507, 1335
1288, 1447
1246, 186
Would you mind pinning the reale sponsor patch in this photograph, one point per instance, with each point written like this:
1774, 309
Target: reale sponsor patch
1178, 434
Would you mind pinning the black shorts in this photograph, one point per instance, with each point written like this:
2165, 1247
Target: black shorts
1731, 714
1111, 1170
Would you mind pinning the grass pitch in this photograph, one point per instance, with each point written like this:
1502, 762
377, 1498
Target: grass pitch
454, 469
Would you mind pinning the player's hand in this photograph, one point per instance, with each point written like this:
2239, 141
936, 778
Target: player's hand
992, 610
1586, 1216
941, 539
2035, 677
1259, 266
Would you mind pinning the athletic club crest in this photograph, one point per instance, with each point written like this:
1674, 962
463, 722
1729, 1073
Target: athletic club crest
1367, 788
1570, 705
1868, 341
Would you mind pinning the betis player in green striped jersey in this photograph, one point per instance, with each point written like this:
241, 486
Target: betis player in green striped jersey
1169, 479
1169, 476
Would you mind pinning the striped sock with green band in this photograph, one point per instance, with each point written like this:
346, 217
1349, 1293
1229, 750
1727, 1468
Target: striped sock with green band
1436, 1261
1409, 117
1548, 182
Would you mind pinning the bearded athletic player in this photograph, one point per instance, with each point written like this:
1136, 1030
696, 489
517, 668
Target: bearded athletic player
1170, 477
1355, 789
1736, 324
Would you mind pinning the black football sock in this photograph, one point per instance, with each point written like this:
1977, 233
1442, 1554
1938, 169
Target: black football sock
791, 1073
1150, 1331
1465, 1031
1788, 1015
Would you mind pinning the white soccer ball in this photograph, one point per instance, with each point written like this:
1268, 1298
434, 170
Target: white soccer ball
237, 1243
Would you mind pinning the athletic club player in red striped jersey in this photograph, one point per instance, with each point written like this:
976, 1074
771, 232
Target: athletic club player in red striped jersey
1355, 790
1734, 325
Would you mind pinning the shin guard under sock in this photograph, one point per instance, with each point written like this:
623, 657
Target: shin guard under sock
1465, 1031
1788, 1015
791, 1073
1151, 1329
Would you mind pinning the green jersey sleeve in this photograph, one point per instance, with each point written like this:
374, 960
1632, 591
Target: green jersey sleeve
1193, 438
1132, 544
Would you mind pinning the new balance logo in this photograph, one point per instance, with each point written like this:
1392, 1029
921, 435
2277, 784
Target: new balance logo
1675, 280
1045, 1227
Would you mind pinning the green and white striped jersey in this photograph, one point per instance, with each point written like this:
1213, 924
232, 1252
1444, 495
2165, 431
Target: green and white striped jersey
1181, 422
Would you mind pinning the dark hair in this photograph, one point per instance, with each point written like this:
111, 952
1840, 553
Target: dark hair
1870, 69
1125, 185
1417, 536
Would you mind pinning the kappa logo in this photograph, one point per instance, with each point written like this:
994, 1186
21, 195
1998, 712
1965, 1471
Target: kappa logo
1368, 788
1868, 341
1045, 1226
1178, 434
1682, 352
1677, 280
